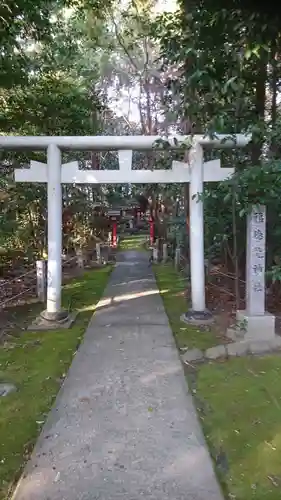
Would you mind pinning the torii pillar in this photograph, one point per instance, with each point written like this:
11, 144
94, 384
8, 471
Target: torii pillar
53, 311
199, 171
53, 173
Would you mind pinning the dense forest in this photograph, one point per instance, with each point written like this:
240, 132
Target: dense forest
142, 67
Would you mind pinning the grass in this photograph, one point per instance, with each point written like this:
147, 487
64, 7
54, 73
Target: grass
239, 405
36, 362
243, 423
172, 286
136, 242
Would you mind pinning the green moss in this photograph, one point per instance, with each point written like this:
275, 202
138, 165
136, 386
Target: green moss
244, 421
136, 242
36, 363
172, 286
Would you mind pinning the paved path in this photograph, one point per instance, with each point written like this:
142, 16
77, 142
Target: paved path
123, 426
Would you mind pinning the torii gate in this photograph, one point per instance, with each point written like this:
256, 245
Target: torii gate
55, 174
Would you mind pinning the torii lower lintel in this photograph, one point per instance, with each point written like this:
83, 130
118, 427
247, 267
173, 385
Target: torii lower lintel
71, 174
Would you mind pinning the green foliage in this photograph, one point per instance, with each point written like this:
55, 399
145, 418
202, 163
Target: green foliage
52, 104
252, 186
21, 21
49, 98
221, 68
137, 243
211, 66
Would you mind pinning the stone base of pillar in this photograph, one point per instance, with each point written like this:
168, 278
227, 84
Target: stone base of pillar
60, 316
53, 321
251, 327
192, 317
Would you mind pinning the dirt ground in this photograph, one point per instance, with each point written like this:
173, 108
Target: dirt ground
220, 298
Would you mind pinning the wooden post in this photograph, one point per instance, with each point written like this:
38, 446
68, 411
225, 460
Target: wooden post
41, 274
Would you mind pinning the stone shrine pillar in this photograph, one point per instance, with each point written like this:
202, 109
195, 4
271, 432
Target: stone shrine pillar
41, 274
177, 258
256, 323
98, 252
165, 252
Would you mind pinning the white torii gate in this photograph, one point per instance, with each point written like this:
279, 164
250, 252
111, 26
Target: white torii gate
55, 174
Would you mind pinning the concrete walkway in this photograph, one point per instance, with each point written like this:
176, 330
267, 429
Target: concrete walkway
124, 425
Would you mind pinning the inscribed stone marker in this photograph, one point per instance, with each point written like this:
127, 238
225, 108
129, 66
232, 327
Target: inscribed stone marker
256, 236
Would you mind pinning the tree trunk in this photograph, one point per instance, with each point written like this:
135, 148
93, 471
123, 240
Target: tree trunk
260, 101
274, 90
